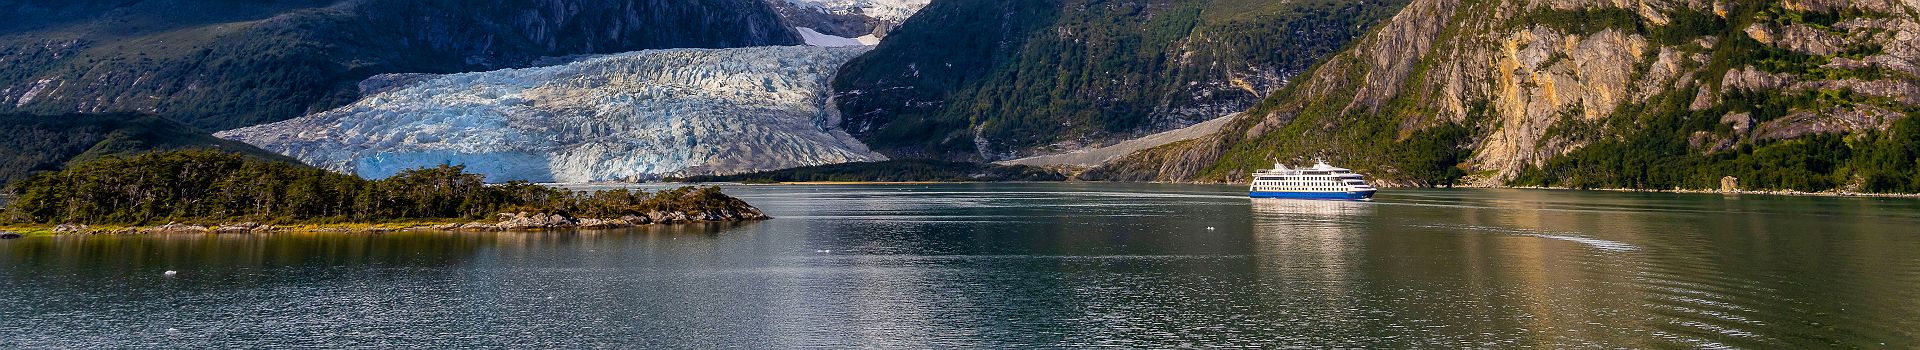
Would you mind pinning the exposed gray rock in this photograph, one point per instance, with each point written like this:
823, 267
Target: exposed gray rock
174, 227
1494, 67
1740, 121
1833, 120
392, 81
529, 221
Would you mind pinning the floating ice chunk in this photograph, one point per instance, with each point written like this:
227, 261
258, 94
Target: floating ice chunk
1593, 242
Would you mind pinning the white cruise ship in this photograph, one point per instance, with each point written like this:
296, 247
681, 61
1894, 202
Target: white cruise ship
1322, 181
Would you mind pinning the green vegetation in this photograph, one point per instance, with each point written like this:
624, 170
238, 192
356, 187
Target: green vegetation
986, 80
1651, 148
49, 142
1662, 143
1659, 156
893, 171
214, 187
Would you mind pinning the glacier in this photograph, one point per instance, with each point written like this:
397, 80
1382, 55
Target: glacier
623, 117
845, 22
895, 11
815, 38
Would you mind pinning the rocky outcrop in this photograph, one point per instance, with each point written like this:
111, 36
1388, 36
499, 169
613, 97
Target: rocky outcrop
523, 221
1836, 120
1538, 80
223, 64
10, 235
623, 117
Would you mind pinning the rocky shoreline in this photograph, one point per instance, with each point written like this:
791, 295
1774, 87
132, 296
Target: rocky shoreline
1387, 185
1733, 192
519, 221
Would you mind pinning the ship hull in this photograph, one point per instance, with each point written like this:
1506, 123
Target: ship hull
1342, 196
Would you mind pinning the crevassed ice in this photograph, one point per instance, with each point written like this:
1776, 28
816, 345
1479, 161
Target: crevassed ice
627, 116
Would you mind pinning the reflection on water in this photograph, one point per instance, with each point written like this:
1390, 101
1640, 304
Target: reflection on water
1024, 265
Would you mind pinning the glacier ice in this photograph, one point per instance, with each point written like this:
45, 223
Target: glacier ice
815, 38
622, 117
895, 11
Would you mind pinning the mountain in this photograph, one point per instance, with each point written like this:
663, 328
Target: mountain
864, 21
43, 143
985, 80
221, 64
628, 116
1808, 95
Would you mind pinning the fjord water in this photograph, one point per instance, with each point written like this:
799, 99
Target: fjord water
1024, 265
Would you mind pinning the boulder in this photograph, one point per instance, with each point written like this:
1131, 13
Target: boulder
9, 235
662, 217
519, 221
637, 220
244, 227
604, 223
174, 227
70, 228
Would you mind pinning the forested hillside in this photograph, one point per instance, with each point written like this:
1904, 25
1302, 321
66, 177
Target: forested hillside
1803, 95
995, 80
219, 65
44, 143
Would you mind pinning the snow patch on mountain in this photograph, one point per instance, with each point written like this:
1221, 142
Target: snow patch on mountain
889, 10
628, 116
816, 39
866, 21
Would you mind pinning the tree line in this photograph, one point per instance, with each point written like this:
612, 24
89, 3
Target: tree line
211, 186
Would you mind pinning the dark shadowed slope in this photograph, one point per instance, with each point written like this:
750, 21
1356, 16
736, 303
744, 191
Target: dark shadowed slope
224, 64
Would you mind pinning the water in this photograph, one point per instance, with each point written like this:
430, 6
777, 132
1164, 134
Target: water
1024, 265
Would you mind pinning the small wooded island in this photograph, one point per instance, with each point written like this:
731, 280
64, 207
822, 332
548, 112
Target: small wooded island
208, 191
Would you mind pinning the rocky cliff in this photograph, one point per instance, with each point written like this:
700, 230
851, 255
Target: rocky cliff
994, 80
872, 19
1799, 94
224, 64
620, 117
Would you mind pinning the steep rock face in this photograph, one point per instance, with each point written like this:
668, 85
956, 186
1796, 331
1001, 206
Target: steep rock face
997, 80
620, 117
1645, 94
224, 64
848, 18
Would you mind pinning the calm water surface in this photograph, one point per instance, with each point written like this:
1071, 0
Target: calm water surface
1024, 265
